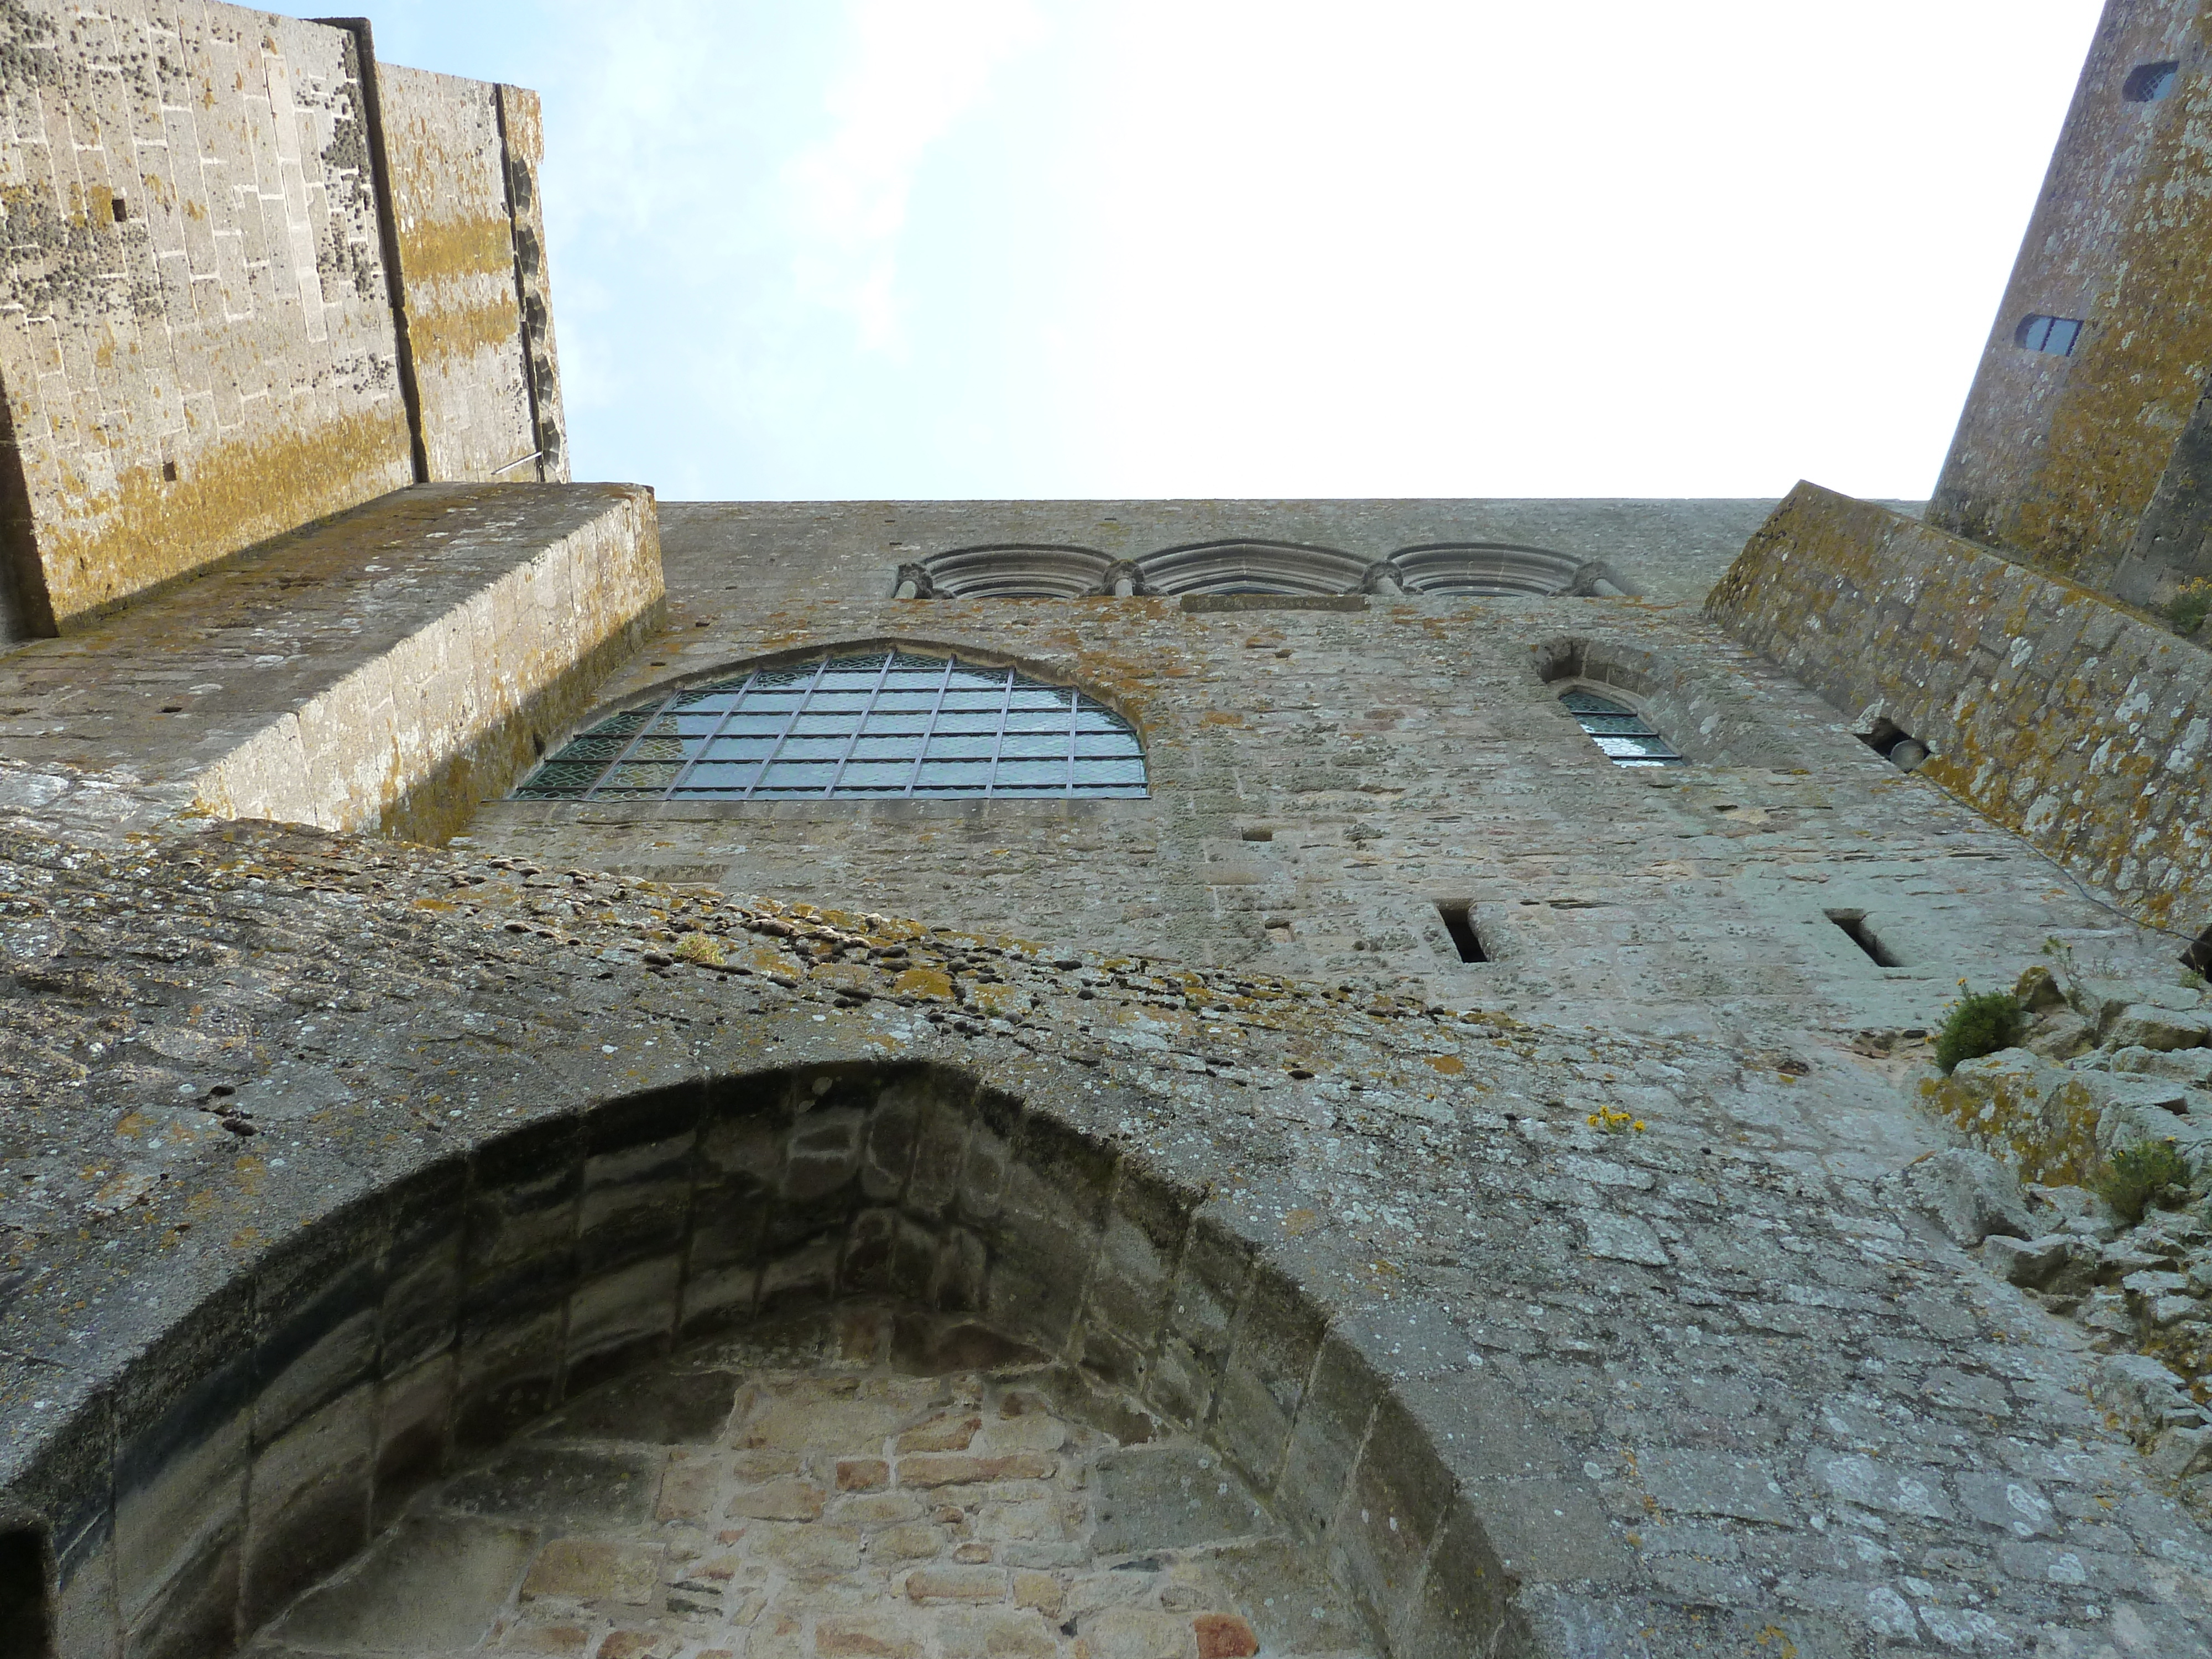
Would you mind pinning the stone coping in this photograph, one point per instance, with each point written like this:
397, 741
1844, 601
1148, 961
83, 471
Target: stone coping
1691, 1385
386, 668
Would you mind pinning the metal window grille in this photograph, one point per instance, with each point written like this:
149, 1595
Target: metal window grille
886, 723
2054, 336
1626, 738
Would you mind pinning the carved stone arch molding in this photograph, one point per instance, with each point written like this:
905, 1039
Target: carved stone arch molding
1503, 568
1011, 570
1253, 567
281, 1423
1710, 718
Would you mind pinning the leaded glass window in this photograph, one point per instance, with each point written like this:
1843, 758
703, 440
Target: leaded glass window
1626, 738
888, 723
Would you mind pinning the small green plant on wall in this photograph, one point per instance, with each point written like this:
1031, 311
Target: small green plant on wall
2187, 609
2150, 1173
1979, 1022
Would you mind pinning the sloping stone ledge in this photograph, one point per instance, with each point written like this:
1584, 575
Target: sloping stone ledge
386, 670
2045, 706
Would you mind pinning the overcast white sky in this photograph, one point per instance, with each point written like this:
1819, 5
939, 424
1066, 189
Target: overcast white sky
837, 248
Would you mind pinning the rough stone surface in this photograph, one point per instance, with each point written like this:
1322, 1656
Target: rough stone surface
1310, 811
379, 669
2079, 724
1970, 1194
1413, 1354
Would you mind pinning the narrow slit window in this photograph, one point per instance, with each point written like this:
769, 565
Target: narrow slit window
26, 1630
1853, 926
2148, 82
1626, 738
2053, 335
1461, 927
885, 724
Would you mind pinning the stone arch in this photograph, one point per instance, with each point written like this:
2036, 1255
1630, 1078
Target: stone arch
1252, 566
276, 1427
1012, 570
1503, 568
1710, 720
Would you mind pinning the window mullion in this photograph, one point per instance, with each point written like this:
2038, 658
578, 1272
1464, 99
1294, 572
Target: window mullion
853, 740
929, 727
998, 737
784, 736
628, 748
705, 743
1074, 725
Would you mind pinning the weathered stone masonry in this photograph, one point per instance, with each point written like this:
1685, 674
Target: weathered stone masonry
2047, 706
199, 348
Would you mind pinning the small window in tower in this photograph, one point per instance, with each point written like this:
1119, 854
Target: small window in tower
1461, 926
1626, 737
2148, 82
119, 207
2053, 335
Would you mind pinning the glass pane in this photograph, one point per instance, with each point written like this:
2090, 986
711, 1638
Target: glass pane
2063, 332
1041, 697
802, 775
667, 726
592, 748
762, 702
730, 749
661, 748
1014, 773
799, 749
1632, 746
1114, 744
1025, 746
641, 777
879, 722
628, 720
708, 775
920, 703
705, 697
1095, 719
692, 725
811, 725
910, 680
969, 722
1124, 771
1041, 719
876, 775
936, 774
944, 747
886, 748
992, 700
751, 724
565, 779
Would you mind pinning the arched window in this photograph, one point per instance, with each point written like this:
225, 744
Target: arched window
887, 723
1626, 738
2053, 335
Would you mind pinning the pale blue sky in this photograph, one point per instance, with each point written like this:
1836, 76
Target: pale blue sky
836, 248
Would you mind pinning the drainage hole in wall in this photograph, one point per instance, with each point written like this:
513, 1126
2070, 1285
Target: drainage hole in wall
1895, 745
1854, 924
1461, 927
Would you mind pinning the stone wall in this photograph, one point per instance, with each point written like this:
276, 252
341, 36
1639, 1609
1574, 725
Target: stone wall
457, 273
198, 345
2044, 707
379, 669
1543, 1341
1322, 780
195, 340
2095, 463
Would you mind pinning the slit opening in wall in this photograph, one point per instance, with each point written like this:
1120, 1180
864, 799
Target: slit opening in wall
1855, 928
26, 1616
2198, 958
1461, 927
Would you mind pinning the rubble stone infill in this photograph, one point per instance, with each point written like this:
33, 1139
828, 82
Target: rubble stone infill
797, 1492
1712, 1385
